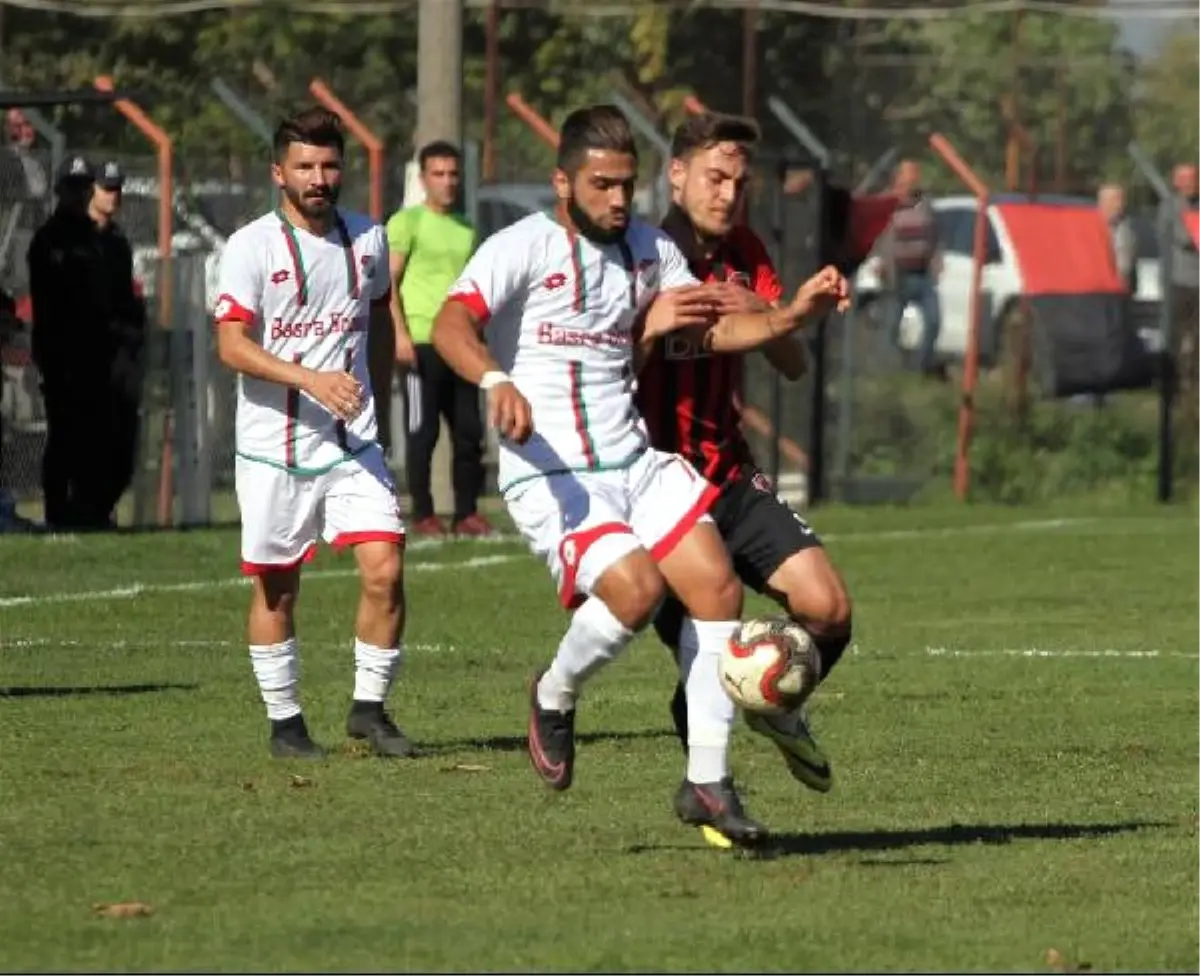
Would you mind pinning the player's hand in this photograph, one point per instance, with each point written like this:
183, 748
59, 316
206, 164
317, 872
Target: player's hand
680, 308
730, 298
509, 413
338, 392
825, 291
406, 351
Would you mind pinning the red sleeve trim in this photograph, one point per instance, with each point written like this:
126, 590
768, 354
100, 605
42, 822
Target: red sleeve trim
229, 309
475, 303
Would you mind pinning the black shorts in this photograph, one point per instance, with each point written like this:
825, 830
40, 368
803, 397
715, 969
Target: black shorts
761, 533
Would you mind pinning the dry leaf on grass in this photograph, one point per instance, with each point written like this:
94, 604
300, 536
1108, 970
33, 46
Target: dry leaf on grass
466, 768
123, 909
1059, 963
299, 782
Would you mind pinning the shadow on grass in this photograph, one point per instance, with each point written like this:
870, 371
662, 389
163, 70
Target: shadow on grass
516, 743
67, 691
950, 835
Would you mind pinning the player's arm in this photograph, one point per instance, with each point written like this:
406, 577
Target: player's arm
240, 291
400, 235
743, 331
495, 274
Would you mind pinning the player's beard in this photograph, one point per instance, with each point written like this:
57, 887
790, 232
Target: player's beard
589, 228
313, 204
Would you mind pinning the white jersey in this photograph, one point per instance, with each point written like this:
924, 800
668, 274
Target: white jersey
560, 313
308, 300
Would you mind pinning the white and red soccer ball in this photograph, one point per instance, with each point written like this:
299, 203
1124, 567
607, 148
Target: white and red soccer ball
770, 666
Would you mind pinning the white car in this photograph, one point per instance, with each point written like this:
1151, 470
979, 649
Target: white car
1001, 278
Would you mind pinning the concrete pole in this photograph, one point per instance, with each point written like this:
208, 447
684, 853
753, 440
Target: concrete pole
439, 116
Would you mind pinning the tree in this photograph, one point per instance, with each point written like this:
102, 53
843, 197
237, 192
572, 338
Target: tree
1062, 78
1168, 104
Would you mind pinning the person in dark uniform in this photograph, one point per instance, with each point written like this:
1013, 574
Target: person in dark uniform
85, 313
126, 342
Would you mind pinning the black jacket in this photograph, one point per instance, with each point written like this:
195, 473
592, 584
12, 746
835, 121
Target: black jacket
86, 315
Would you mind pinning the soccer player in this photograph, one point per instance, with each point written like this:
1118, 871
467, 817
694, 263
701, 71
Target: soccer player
561, 298
691, 399
298, 289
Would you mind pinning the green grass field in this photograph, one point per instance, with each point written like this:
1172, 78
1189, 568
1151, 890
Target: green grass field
1014, 738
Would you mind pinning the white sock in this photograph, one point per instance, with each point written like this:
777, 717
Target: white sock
277, 668
594, 638
375, 669
711, 712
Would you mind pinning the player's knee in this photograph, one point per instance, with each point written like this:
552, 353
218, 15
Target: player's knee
823, 606
632, 589
277, 591
722, 601
382, 575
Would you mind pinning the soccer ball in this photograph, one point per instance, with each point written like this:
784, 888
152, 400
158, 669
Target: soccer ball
770, 665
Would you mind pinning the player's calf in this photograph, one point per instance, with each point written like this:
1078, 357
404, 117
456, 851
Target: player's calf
816, 597
623, 601
275, 658
700, 573
378, 648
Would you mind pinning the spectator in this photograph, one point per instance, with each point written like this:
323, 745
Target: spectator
910, 262
23, 187
430, 245
1184, 283
10, 325
126, 325
1110, 200
85, 314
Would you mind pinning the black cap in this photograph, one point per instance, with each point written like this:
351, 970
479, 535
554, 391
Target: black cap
75, 169
110, 175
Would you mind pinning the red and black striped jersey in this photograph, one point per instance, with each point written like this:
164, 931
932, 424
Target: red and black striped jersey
692, 399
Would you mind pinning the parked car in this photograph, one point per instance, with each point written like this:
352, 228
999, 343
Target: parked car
1001, 278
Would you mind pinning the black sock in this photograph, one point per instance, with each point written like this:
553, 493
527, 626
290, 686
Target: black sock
291, 724
366, 708
830, 649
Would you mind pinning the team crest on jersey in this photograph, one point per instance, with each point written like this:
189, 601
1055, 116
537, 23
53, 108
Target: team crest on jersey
280, 276
556, 280
368, 267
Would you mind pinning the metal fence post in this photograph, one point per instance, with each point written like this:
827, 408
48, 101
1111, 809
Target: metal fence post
817, 349
242, 110
1167, 216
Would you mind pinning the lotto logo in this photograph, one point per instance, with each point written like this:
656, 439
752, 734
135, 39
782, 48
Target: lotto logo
569, 553
224, 307
556, 280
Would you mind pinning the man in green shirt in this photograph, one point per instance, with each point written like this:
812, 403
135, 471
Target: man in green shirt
429, 246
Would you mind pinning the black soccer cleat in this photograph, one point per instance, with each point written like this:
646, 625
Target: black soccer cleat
718, 807
551, 741
679, 715
368, 721
290, 740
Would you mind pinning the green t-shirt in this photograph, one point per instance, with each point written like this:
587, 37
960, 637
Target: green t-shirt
436, 248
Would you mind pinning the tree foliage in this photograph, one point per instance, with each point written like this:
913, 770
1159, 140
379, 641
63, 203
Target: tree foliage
861, 86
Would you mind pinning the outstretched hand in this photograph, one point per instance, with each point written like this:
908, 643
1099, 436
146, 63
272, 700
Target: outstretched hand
825, 291
680, 308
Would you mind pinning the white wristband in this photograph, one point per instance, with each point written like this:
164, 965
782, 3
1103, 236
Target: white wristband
493, 378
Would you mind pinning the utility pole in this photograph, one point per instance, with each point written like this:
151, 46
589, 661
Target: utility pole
439, 71
439, 116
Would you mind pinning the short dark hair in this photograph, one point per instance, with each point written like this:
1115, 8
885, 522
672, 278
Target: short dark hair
707, 129
314, 126
438, 149
602, 127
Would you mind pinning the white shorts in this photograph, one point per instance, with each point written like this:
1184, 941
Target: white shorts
283, 514
583, 522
